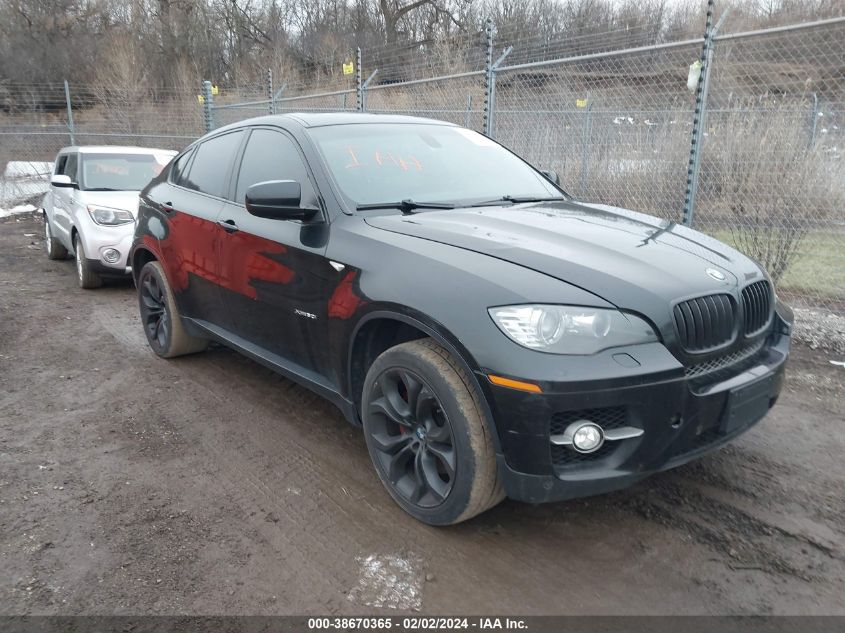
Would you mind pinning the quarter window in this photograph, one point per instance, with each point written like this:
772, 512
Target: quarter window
209, 171
177, 173
271, 155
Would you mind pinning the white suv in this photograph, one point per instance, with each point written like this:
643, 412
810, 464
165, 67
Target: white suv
92, 203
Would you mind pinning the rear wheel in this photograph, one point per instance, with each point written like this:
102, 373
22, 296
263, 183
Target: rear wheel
86, 277
160, 315
55, 250
426, 434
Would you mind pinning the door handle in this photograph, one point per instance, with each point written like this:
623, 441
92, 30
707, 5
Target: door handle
167, 207
228, 225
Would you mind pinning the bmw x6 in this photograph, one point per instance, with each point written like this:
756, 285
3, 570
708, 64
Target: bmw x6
492, 336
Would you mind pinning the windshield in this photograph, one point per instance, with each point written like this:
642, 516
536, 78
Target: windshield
384, 162
120, 172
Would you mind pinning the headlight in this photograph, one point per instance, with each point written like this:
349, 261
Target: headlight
570, 329
109, 216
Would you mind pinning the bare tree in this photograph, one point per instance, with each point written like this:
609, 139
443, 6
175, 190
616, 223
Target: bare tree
393, 11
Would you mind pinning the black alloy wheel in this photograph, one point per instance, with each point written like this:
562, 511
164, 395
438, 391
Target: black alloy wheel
412, 437
160, 315
154, 313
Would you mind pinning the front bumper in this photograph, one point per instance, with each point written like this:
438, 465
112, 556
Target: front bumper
104, 269
97, 239
681, 418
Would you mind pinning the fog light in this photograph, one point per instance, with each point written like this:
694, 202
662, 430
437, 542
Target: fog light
111, 255
587, 437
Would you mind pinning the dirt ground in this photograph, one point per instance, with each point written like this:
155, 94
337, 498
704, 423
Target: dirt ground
209, 485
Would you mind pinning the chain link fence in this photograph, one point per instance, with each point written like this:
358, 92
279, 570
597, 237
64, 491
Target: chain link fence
750, 152
772, 176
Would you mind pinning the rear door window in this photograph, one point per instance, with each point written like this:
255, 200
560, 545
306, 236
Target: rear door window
209, 171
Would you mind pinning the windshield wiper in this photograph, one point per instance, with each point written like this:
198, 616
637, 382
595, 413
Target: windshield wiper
103, 189
518, 200
405, 206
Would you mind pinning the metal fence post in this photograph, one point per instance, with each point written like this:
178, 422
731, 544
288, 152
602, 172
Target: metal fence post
488, 77
700, 113
364, 87
70, 127
490, 68
359, 89
815, 121
469, 111
491, 118
585, 145
207, 104
271, 95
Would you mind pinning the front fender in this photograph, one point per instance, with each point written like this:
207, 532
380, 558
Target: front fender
442, 336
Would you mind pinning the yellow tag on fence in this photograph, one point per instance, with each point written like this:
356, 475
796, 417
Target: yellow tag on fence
200, 98
348, 68
581, 103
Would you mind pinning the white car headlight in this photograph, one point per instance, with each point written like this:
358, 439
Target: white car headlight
108, 216
570, 329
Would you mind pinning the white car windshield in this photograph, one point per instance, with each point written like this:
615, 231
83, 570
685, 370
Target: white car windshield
119, 172
380, 162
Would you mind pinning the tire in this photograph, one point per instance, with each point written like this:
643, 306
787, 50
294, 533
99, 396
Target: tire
86, 277
459, 473
54, 247
160, 316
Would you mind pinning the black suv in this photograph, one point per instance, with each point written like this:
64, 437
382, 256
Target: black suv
493, 336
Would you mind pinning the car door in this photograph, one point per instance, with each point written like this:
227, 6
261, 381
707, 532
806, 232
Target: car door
62, 197
188, 207
274, 277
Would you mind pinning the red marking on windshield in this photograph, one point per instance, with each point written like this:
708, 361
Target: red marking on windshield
355, 162
382, 159
111, 169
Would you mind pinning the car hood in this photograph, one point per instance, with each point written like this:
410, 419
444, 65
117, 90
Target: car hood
632, 260
127, 200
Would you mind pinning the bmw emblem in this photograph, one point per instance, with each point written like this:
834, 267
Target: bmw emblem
718, 275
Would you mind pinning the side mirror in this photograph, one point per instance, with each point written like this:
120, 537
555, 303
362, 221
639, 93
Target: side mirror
551, 175
277, 200
61, 180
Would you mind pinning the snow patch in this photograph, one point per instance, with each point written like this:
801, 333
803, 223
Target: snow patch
22, 208
389, 580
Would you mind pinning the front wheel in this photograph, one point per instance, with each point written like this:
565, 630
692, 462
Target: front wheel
427, 436
160, 315
86, 277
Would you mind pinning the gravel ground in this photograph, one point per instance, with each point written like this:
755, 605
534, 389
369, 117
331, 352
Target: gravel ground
821, 330
208, 485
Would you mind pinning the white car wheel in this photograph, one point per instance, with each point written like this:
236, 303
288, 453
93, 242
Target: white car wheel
87, 277
55, 250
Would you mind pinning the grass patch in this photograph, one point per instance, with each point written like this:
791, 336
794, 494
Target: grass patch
818, 269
